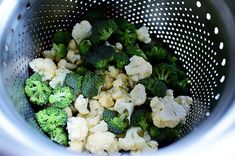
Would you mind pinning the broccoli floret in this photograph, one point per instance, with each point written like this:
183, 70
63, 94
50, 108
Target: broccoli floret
139, 119
157, 53
102, 30
85, 47
82, 70
59, 135
91, 84
93, 16
61, 97
37, 90
126, 32
108, 115
100, 57
51, 118
166, 73
133, 50
62, 37
74, 81
121, 59
60, 51
165, 136
154, 87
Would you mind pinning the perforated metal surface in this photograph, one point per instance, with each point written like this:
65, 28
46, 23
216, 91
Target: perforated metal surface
192, 29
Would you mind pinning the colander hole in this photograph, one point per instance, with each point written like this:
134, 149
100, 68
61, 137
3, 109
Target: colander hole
198, 3
217, 96
6, 47
208, 16
223, 62
28, 5
222, 79
216, 31
19, 17
221, 45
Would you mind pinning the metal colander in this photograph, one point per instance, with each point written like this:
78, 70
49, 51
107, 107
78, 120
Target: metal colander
201, 33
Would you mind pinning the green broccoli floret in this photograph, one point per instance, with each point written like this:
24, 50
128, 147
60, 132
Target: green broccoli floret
91, 84
62, 37
85, 47
81, 70
108, 115
166, 73
121, 59
37, 90
59, 135
93, 16
51, 118
60, 51
61, 97
100, 57
139, 119
133, 50
125, 33
102, 30
165, 136
74, 81
154, 87
157, 53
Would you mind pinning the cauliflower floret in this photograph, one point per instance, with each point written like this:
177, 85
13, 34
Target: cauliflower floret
118, 47
95, 108
113, 72
76, 146
81, 31
138, 95
77, 128
106, 99
143, 35
72, 45
108, 82
166, 112
117, 92
81, 104
132, 140
45, 67
93, 121
59, 78
150, 146
138, 68
49, 53
147, 137
101, 127
72, 57
99, 142
64, 64
69, 112
185, 101
170, 93
122, 80
120, 106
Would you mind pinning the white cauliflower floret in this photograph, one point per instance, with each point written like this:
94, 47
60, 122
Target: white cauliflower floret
150, 146
49, 53
118, 47
101, 127
166, 112
117, 92
147, 137
72, 57
69, 112
81, 31
185, 101
106, 99
132, 140
138, 68
64, 64
138, 95
72, 45
122, 80
120, 106
59, 78
95, 108
77, 129
93, 121
143, 35
170, 93
108, 82
102, 142
113, 72
81, 104
76, 146
45, 67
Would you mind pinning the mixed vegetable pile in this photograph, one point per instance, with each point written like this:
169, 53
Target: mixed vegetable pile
108, 87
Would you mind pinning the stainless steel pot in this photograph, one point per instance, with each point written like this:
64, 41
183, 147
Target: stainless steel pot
201, 33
